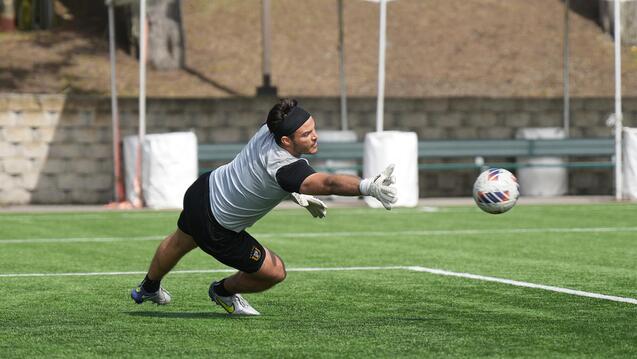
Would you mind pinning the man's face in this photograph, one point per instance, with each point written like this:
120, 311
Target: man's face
305, 139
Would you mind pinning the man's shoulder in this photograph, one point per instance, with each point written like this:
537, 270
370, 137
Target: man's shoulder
268, 145
277, 157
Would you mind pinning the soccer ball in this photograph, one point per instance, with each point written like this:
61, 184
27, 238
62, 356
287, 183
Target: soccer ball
496, 190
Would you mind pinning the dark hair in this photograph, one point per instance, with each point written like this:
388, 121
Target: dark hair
278, 113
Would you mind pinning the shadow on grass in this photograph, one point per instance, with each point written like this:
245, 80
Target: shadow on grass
181, 315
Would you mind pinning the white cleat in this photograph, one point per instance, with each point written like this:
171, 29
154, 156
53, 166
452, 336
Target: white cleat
234, 304
160, 297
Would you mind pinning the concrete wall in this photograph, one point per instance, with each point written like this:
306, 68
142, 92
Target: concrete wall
57, 149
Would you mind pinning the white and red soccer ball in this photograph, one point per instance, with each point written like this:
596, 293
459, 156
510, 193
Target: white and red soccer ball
496, 190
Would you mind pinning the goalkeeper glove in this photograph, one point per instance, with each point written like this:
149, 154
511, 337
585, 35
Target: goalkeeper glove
380, 187
315, 206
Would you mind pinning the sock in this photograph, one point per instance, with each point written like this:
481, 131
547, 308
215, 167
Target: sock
221, 290
149, 285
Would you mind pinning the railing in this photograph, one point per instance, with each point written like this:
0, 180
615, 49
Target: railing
463, 154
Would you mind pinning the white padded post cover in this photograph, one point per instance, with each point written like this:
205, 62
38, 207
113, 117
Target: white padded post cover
130, 154
401, 149
169, 167
629, 167
542, 181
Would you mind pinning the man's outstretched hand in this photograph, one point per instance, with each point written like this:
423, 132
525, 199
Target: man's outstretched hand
315, 206
381, 187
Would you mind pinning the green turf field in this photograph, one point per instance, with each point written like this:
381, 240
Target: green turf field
65, 280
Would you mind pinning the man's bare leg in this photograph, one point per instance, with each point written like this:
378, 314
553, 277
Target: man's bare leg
169, 252
226, 292
272, 271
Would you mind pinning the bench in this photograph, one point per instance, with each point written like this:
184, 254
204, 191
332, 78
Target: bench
455, 154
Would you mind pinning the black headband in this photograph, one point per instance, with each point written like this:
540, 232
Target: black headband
295, 119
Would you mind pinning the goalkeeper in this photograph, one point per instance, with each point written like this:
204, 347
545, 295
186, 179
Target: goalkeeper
220, 205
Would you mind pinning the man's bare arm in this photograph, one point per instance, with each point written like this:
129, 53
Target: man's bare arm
325, 183
380, 187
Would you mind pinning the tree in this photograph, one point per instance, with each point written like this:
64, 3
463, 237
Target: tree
165, 36
166, 50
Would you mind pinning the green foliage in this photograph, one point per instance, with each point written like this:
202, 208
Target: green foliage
25, 15
374, 313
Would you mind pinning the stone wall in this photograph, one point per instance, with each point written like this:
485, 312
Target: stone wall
57, 149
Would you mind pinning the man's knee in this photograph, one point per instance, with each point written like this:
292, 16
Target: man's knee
276, 272
182, 242
279, 275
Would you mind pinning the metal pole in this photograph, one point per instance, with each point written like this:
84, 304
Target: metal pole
266, 28
142, 68
618, 104
341, 67
566, 73
143, 37
118, 189
381, 66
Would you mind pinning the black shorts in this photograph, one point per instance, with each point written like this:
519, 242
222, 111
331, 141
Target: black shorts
237, 250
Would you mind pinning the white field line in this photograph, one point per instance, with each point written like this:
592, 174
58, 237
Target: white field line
526, 285
80, 240
84, 274
324, 269
442, 232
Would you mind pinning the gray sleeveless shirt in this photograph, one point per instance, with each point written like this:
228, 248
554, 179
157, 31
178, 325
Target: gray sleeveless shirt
244, 190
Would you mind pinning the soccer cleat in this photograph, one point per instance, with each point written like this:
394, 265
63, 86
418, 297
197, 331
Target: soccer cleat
160, 297
234, 304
